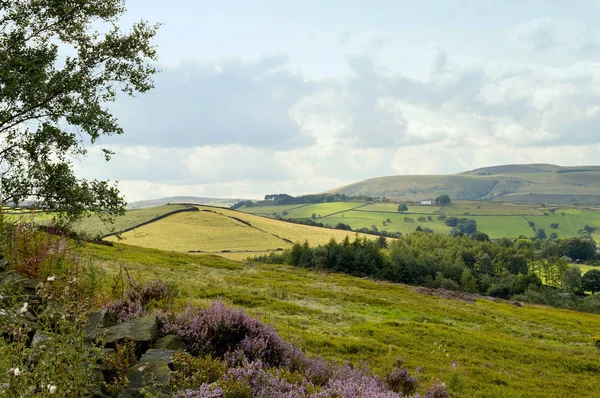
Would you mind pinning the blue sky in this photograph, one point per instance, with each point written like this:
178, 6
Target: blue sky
257, 97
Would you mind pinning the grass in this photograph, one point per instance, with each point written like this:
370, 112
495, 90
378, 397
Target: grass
230, 233
94, 226
512, 183
483, 349
495, 219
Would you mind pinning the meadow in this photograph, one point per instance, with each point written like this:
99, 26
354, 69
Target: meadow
496, 219
226, 232
479, 349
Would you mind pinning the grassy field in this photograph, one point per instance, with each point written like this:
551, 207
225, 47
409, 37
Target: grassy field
229, 233
496, 219
511, 183
481, 349
95, 226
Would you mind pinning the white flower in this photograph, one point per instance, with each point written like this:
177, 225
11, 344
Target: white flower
15, 372
51, 278
2, 312
1, 298
52, 388
23, 309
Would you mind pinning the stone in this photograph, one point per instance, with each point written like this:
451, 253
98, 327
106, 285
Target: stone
30, 317
152, 374
170, 342
141, 330
39, 338
158, 354
3, 264
29, 285
52, 313
99, 320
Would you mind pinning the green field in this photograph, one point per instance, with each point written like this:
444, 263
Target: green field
480, 349
534, 183
495, 219
226, 232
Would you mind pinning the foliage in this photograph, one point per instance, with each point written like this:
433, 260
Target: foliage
402, 207
351, 319
443, 200
51, 102
591, 281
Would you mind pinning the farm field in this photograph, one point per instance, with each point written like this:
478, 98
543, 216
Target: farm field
532, 183
303, 211
226, 232
480, 349
495, 219
94, 226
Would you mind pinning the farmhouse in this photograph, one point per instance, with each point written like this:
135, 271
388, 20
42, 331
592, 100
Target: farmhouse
426, 202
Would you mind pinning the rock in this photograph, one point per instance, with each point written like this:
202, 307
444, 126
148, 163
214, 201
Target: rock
29, 285
30, 317
170, 342
39, 338
3, 264
152, 374
52, 313
158, 354
141, 330
99, 320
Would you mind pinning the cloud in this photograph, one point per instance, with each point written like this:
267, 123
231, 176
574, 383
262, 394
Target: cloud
216, 103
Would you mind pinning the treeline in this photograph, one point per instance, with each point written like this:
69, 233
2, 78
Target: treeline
285, 199
341, 226
524, 269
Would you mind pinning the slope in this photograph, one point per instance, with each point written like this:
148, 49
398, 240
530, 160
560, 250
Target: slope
226, 232
514, 183
480, 348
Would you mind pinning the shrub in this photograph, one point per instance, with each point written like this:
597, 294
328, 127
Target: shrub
218, 330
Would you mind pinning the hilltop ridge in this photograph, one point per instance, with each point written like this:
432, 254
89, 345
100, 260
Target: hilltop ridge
527, 183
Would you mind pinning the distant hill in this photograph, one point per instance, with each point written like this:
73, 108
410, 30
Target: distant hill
529, 183
219, 202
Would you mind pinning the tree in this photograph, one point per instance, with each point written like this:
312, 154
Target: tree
443, 200
57, 76
402, 207
591, 281
572, 279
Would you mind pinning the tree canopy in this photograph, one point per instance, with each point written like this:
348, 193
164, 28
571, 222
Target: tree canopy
443, 200
61, 64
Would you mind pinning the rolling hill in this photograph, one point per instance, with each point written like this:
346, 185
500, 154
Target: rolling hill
479, 348
219, 202
532, 183
229, 233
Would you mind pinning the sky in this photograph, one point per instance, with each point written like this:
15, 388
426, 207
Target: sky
257, 97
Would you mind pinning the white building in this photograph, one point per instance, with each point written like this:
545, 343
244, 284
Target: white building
427, 202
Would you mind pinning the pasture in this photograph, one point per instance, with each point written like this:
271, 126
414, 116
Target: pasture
480, 349
495, 219
226, 232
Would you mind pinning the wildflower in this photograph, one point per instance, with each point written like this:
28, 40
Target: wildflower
23, 309
52, 389
2, 312
1, 298
15, 372
51, 278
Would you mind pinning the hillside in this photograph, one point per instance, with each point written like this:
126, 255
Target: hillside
219, 202
480, 349
225, 232
533, 183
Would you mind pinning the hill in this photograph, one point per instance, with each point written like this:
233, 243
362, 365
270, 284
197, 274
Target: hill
219, 202
533, 183
225, 232
497, 219
479, 348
